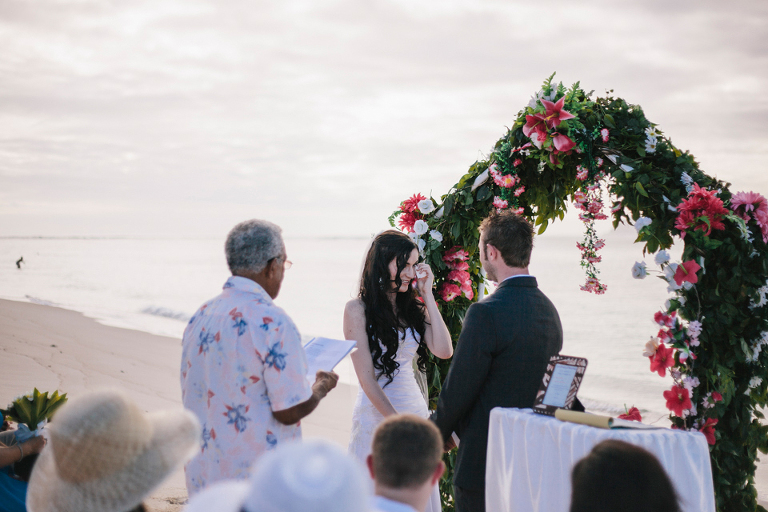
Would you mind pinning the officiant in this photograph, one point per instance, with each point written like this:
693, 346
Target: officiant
243, 368
502, 353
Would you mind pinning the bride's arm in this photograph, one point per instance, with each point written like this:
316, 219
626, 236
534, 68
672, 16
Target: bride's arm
354, 329
437, 337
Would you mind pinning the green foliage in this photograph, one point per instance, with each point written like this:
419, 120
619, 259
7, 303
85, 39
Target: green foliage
646, 176
34, 408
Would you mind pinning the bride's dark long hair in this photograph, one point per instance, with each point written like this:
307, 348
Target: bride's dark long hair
383, 325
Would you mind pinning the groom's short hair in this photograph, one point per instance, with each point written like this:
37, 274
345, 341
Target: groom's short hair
511, 234
406, 450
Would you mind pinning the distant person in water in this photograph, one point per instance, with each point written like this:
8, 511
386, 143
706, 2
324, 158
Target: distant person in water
243, 368
19, 262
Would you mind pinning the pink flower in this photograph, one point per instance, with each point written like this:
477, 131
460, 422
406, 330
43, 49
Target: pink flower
518, 211
460, 276
717, 397
555, 114
605, 134
457, 265
517, 162
449, 291
633, 414
582, 173
599, 161
406, 221
595, 207
580, 197
662, 359
562, 142
500, 203
493, 170
708, 429
535, 124
745, 202
519, 191
701, 203
455, 253
678, 400
665, 320
687, 272
599, 244
467, 291
507, 181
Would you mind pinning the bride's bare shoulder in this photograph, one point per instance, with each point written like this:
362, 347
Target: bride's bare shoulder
355, 308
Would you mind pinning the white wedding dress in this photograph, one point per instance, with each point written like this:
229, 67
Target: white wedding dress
406, 397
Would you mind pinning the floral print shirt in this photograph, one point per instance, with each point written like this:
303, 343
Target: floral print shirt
242, 358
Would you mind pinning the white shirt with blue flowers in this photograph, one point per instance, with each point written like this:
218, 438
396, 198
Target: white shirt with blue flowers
242, 358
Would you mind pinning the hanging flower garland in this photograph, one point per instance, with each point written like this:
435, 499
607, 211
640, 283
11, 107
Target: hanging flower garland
566, 148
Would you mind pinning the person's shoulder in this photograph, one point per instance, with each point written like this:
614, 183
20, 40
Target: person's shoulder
355, 307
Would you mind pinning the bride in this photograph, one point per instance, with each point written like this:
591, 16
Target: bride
391, 327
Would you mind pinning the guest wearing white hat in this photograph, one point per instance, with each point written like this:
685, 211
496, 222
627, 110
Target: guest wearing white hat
314, 476
106, 455
405, 463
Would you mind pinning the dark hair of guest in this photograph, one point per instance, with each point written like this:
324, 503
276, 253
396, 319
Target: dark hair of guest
382, 324
621, 477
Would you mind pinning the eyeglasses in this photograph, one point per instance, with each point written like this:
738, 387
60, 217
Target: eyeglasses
286, 263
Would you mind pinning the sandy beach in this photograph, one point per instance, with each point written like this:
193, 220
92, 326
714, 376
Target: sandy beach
52, 348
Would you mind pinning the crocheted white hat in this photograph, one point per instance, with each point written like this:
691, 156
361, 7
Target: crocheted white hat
313, 476
106, 455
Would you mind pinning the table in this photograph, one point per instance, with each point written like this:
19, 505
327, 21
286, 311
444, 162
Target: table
530, 457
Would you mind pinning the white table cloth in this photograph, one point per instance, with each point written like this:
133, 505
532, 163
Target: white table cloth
530, 457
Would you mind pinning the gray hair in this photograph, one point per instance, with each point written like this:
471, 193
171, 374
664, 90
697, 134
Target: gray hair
251, 244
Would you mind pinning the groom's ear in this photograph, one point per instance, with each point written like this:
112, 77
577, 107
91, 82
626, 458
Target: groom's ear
369, 463
491, 252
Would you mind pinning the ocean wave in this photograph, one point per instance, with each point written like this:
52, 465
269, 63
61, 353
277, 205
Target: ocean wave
42, 302
166, 313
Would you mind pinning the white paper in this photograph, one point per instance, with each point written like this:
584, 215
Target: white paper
619, 423
325, 353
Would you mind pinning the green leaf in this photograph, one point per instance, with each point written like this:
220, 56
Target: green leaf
641, 189
448, 204
483, 193
608, 118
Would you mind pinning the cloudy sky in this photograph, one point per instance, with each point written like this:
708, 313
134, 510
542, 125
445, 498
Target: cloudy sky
181, 118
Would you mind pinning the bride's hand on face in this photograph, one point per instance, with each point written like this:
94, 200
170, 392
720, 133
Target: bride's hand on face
425, 278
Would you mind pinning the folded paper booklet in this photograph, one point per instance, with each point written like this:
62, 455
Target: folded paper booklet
325, 353
596, 420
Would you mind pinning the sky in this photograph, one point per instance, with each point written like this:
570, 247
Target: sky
163, 118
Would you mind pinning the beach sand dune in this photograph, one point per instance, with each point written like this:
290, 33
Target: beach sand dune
52, 348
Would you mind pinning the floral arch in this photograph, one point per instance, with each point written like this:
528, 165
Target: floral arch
566, 147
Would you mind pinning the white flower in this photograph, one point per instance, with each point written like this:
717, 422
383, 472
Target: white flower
694, 329
612, 158
651, 346
687, 285
754, 382
641, 223
535, 140
669, 275
650, 145
420, 227
421, 244
686, 180
638, 270
481, 178
535, 99
651, 131
436, 235
690, 382
439, 214
426, 206
681, 300
627, 168
661, 257
413, 236
692, 410
667, 304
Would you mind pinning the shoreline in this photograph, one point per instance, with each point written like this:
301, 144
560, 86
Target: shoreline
52, 348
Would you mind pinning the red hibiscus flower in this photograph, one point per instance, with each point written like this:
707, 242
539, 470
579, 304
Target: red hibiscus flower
663, 358
633, 414
562, 142
687, 272
555, 114
535, 123
702, 211
410, 205
455, 253
665, 320
460, 276
717, 397
708, 429
678, 400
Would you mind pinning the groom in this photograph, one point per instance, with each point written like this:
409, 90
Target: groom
502, 353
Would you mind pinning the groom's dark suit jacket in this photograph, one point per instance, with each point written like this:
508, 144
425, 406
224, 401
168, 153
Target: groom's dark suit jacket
505, 344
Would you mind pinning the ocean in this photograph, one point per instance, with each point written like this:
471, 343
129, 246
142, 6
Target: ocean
155, 285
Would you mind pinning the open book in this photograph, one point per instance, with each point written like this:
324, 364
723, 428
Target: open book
596, 420
325, 353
